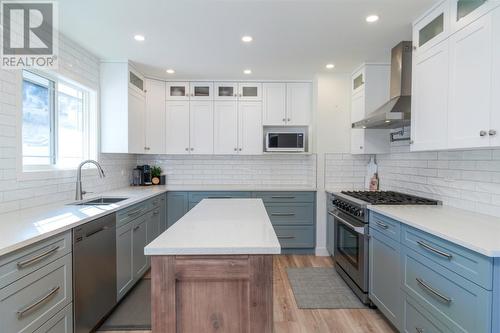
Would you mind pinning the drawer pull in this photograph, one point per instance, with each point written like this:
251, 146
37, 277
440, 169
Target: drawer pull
156, 213
430, 248
37, 303
220, 197
135, 212
282, 214
433, 291
281, 197
136, 228
382, 225
419, 330
34, 260
286, 237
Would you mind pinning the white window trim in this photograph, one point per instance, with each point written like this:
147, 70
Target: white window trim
34, 172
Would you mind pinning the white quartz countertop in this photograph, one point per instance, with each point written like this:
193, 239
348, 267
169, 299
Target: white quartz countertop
25, 227
474, 231
219, 226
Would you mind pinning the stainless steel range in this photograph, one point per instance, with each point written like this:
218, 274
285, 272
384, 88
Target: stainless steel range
351, 221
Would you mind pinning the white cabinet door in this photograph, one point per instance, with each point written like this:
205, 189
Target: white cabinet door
136, 125
358, 107
155, 117
470, 85
432, 29
358, 81
429, 116
250, 91
495, 87
298, 104
226, 127
357, 141
464, 12
177, 127
226, 91
250, 128
202, 127
200, 91
274, 104
177, 91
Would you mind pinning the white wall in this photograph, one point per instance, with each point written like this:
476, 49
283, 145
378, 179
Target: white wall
332, 135
23, 190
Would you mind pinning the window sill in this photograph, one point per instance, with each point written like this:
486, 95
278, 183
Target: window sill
51, 172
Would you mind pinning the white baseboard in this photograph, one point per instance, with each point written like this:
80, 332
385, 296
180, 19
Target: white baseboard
322, 252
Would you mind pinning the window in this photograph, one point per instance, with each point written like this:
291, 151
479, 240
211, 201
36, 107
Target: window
59, 123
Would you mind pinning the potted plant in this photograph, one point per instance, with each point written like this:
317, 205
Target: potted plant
155, 175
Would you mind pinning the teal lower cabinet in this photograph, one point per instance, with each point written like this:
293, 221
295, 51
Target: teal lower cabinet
177, 206
293, 214
385, 276
442, 286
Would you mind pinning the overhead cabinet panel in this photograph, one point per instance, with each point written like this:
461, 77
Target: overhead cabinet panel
298, 103
200, 91
274, 104
250, 134
226, 91
201, 128
433, 28
155, 117
250, 91
226, 127
177, 91
177, 127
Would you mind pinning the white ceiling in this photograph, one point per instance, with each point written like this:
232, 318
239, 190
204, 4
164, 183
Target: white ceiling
293, 39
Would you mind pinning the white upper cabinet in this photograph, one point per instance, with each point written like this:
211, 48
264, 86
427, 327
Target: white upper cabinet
200, 91
250, 133
429, 116
249, 91
454, 104
274, 104
358, 81
155, 117
226, 91
123, 108
298, 104
433, 28
470, 85
201, 130
177, 91
358, 106
464, 12
287, 104
225, 127
177, 127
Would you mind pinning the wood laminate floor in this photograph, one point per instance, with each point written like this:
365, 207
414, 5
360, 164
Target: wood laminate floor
289, 319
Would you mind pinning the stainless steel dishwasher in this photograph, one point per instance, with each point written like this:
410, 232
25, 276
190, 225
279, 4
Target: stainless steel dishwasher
94, 272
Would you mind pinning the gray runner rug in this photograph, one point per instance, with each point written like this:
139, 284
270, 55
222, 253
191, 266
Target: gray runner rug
321, 288
134, 311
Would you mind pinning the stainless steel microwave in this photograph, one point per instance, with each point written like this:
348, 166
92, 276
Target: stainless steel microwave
285, 141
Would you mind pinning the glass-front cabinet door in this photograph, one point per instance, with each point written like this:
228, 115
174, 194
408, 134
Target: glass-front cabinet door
226, 91
432, 29
177, 91
201, 90
464, 12
250, 91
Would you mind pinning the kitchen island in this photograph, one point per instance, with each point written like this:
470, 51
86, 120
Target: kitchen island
213, 269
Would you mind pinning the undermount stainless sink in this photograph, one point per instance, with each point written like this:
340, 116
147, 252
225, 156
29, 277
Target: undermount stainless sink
99, 201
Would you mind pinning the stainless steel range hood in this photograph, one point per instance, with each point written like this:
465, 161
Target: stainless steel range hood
397, 111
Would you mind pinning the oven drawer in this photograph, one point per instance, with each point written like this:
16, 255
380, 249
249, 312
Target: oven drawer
471, 265
417, 319
295, 237
28, 303
454, 300
291, 214
386, 226
286, 197
27, 260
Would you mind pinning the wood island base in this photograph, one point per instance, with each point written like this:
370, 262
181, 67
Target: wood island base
216, 293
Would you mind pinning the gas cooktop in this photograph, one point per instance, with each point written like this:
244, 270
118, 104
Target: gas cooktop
389, 198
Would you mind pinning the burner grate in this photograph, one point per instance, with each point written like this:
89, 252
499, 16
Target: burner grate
389, 198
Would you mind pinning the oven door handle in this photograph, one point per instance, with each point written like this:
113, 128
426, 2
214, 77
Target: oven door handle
359, 230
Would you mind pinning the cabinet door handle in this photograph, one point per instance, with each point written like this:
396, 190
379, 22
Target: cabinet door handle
382, 225
483, 133
187, 149
136, 228
220, 197
282, 214
37, 303
419, 330
284, 119
433, 291
492, 132
240, 149
286, 237
281, 197
192, 149
289, 119
37, 258
235, 149
434, 250
156, 213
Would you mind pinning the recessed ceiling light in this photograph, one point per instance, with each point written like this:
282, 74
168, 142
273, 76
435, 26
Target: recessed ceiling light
247, 71
364, 127
330, 66
372, 18
247, 39
387, 121
139, 38
170, 71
